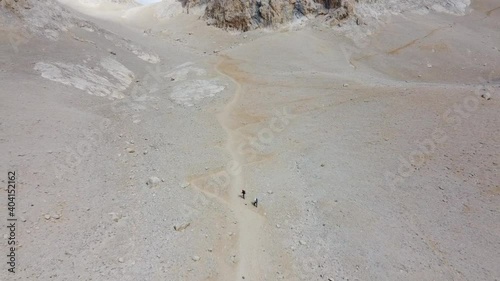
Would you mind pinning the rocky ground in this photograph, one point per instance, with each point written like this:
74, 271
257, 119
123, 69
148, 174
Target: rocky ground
371, 141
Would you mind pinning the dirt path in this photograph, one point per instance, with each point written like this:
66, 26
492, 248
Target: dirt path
249, 220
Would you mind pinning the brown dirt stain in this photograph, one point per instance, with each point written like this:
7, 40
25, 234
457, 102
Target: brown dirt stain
411, 43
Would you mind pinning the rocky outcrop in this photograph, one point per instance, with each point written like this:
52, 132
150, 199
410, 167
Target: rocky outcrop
15, 5
250, 14
246, 15
230, 14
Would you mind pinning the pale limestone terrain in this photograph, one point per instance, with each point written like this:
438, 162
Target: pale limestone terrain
372, 141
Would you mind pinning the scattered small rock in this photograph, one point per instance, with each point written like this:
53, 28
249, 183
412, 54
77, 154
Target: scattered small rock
121, 260
56, 216
47, 217
115, 216
153, 181
130, 150
184, 184
270, 192
278, 226
486, 97
195, 258
181, 227
345, 85
302, 242
210, 250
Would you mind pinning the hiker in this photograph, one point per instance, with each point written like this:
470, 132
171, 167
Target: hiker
243, 192
255, 202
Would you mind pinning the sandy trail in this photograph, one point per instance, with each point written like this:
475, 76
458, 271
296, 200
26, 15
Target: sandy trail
249, 220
